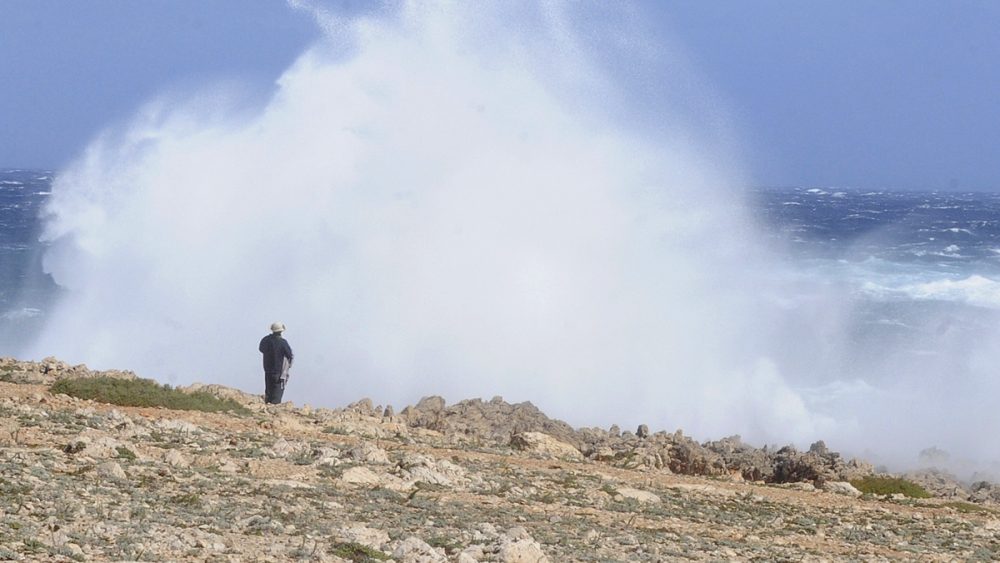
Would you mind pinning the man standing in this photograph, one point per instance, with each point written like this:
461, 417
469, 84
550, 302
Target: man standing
277, 359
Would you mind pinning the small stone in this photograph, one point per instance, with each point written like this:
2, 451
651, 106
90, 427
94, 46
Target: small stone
360, 476
636, 494
799, 486
642, 431
473, 553
518, 533
415, 550
603, 453
522, 551
367, 452
111, 470
282, 448
365, 536
176, 459
326, 456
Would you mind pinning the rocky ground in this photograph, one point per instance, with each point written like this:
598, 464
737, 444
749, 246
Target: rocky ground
474, 481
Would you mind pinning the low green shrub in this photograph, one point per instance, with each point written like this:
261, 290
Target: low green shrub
967, 507
357, 552
143, 393
190, 500
890, 486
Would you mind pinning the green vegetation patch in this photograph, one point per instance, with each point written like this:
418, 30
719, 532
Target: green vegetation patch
143, 393
968, 507
190, 500
890, 486
450, 545
357, 552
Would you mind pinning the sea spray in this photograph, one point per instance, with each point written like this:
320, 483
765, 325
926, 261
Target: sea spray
448, 201
429, 215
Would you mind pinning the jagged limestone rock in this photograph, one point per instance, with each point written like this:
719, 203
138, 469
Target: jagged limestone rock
544, 445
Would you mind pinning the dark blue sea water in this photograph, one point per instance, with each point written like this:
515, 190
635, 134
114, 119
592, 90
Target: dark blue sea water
932, 233
26, 292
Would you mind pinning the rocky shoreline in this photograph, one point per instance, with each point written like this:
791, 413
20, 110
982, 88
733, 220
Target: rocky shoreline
472, 481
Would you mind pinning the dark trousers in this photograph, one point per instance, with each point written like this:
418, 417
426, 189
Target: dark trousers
273, 390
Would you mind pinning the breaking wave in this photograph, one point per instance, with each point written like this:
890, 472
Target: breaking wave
973, 290
459, 201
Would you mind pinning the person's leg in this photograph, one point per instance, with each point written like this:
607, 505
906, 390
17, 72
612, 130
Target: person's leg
270, 384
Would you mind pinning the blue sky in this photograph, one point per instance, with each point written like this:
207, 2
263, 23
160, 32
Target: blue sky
847, 93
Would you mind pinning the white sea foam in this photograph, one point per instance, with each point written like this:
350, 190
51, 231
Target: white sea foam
973, 290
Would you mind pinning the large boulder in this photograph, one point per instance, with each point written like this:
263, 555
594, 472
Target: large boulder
841, 488
543, 445
638, 495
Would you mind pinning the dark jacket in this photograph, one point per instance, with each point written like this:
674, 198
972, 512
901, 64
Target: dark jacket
275, 349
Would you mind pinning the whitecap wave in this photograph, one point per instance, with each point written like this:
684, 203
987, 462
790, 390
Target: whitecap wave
973, 290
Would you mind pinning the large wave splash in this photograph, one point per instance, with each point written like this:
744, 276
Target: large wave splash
450, 201
445, 210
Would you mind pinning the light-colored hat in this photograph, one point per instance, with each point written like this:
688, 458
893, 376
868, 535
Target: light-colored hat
277, 327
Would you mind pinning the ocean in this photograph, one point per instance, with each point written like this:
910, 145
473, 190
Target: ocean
915, 274
906, 256
26, 292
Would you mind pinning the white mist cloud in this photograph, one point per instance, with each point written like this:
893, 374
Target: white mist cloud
446, 211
